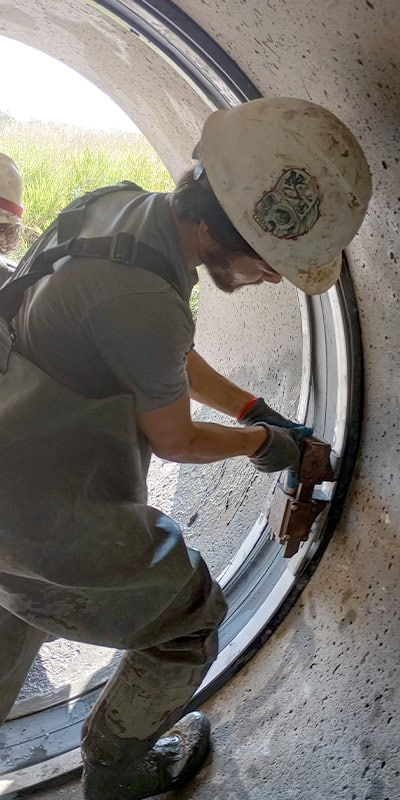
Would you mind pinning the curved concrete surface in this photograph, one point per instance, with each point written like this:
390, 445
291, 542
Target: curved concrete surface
315, 713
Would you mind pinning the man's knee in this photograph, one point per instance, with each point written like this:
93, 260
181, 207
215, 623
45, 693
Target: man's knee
205, 599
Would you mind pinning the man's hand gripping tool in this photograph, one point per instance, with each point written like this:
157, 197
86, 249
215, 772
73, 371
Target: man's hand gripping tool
296, 504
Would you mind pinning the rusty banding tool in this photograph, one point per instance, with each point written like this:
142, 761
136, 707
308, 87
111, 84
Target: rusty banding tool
294, 510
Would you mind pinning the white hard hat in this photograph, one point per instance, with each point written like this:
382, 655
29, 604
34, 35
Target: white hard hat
294, 182
10, 191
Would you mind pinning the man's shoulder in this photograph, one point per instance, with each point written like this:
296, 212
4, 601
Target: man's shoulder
84, 286
122, 210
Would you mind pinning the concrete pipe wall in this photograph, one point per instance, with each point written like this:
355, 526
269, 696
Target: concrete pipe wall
315, 713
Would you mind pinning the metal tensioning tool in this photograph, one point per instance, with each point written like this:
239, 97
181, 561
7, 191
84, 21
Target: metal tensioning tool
296, 503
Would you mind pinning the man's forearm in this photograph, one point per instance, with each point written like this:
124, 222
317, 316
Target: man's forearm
211, 442
213, 390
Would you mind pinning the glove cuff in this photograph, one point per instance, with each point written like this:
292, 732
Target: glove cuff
246, 408
268, 434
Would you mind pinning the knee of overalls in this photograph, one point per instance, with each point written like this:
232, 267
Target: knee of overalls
136, 587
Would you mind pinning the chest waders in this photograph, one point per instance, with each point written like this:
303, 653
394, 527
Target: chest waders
81, 555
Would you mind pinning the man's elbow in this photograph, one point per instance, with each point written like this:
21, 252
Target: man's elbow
180, 451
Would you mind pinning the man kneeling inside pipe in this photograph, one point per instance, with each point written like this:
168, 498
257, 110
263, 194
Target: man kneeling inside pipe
98, 374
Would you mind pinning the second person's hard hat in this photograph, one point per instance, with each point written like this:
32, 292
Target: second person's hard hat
10, 191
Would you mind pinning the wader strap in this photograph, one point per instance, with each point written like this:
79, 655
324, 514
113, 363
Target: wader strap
70, 220
122, 248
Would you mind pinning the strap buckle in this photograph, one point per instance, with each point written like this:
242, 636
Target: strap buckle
124, 247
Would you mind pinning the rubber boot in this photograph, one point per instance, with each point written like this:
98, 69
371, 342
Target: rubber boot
173, 761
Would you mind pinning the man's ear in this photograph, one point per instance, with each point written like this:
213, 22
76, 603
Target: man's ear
205, 238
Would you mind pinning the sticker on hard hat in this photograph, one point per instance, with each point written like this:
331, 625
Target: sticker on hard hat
291, 207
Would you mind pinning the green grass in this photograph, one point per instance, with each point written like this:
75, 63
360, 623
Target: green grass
59, 162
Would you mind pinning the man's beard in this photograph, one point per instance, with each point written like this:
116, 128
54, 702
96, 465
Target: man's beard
218, 268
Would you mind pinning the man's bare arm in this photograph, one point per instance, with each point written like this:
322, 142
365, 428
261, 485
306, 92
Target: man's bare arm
213, 390
174, 436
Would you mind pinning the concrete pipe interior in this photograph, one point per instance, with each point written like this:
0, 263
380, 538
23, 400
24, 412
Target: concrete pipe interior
168, 66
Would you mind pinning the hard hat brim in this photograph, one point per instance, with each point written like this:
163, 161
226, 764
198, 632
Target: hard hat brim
316, 280
9, 219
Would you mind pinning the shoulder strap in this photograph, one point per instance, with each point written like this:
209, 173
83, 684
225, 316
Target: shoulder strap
70, 219
121, 247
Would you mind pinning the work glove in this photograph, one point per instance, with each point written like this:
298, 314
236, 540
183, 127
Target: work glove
279, 451
259, 411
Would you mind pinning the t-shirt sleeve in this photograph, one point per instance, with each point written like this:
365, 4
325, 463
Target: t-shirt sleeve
144, 339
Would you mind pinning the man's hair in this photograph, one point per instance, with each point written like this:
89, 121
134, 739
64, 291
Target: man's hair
194, 200
9, 235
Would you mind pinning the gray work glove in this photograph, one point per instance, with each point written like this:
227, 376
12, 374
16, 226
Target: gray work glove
261, 412
279, 451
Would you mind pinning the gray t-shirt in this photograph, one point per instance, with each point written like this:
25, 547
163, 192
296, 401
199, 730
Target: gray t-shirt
101, 327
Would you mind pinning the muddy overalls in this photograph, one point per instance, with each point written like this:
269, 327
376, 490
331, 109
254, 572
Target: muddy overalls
83, 557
